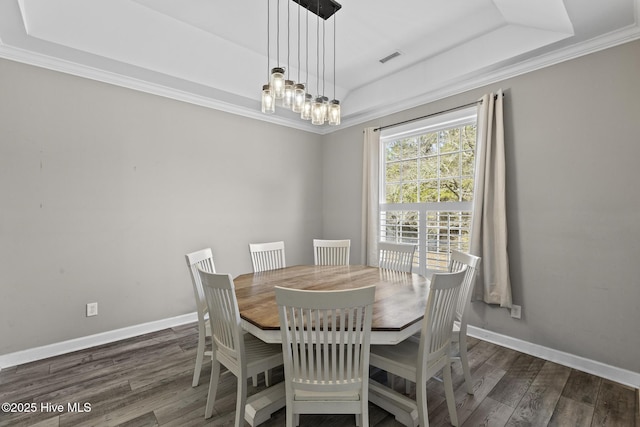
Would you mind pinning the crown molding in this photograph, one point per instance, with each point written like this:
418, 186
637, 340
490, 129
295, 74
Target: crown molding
473, 81
606, 41
80, 70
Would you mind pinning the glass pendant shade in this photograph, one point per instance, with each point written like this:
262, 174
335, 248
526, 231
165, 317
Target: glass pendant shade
305, 114
277, 82
325, 109
268, 100
298, 98
317, 111
334, 112
287, 100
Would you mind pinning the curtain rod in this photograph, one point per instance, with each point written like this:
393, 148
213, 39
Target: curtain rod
459, 107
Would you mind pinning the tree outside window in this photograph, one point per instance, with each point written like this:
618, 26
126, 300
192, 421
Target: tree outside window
427, 188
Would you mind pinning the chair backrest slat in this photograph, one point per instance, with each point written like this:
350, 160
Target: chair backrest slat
267, 256
331, 252
396, 256
457, 262
202, 259
325, 336
435, 337
224, 314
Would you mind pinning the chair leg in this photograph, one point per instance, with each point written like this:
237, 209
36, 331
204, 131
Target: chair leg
421, 402
448, 391
364, 416
289, 416
254, 380
468, 382
199, 357
213, 388
267, 378
241, 400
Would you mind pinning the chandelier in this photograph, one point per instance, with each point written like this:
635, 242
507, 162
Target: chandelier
281, 89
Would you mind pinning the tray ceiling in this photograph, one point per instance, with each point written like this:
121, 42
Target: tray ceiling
214, 53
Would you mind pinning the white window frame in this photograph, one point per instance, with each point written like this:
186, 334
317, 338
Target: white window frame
422, 263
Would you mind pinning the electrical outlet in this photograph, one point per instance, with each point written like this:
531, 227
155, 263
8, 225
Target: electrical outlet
92, 309
516, 311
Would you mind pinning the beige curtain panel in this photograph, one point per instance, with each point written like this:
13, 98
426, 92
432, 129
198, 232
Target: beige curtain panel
489, 222
370, 196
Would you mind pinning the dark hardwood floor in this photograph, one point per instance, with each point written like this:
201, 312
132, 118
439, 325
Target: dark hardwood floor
146, 381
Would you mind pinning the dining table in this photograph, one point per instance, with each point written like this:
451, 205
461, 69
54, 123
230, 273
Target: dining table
398, 309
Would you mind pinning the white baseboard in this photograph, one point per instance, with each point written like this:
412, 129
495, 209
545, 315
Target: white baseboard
619, 375
55, 349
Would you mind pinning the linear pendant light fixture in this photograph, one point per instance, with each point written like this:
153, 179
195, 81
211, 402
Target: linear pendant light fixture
297, 96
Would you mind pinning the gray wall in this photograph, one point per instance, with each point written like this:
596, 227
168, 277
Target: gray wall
573, 203
104, 189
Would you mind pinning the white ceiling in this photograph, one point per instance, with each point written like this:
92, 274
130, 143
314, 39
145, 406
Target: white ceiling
214, 53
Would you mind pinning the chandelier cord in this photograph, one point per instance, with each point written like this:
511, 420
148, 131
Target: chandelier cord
268, 44
278, 34
324, 51
318, 51
307, 49
334, 57
298, 43
288, 36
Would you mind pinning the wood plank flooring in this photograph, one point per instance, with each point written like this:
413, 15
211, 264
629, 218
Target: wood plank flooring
146, 381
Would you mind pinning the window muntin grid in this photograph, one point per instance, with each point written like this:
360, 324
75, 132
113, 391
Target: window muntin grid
427, 180
432, 167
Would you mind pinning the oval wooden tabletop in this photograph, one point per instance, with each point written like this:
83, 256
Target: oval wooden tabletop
400, 297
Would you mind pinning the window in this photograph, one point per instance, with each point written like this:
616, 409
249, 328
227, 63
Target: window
427, 178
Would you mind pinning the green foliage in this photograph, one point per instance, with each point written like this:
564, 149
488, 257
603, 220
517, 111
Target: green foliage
434, 167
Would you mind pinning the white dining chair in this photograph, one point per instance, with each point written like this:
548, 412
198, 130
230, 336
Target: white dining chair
202, 259
325, 343
417, 361
396, 256
457, 262
331, 252
267, 256
241, 353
